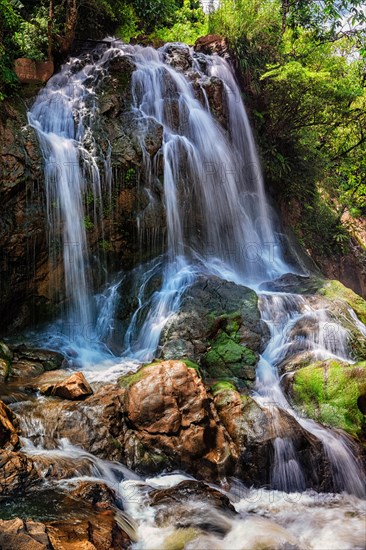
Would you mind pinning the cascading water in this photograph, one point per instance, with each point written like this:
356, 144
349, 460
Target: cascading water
218, 223
287, 315
216, 210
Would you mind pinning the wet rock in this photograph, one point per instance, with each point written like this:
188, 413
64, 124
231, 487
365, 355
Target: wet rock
328, 391
16, 473
8, 433
217, 326
177, 55
167, 406
212, 43
292, 283
194, 507
18, 534
191, 490
100, 532
20, 473
24, 292
29, 363
254, 429
6, 357
215, 94
294, 362
96, 494
50, 360
73, 387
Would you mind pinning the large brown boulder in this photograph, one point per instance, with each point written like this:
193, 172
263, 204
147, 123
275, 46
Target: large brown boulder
167, 406
98, 532
17, 472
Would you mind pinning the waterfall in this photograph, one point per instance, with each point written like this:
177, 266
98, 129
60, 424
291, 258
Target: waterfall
218, 222
216, 210
63, 116
217, 215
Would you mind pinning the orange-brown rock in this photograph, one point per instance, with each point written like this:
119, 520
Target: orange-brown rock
211, 43
8, 434
256, 429
29, 71
188, 491
169, 409
16, 472
17, 534
95, 493
74, 387
99, 532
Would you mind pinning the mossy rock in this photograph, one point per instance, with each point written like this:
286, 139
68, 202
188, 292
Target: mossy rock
5, 352
6, 357
328, 391
334, 290
128, 380
191, 365
228, 359
222, 385
180, 538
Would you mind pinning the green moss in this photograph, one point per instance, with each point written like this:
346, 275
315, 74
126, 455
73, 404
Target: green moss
335, 290
105, 245
127, 380
222, 385
227, 358
88, 224
192, 365
117, 444
327, 391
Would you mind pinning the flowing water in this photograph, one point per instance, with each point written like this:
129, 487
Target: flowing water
218, 222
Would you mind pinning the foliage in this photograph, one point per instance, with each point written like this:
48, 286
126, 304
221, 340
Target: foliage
128, 27
9, 22
189, 24
154, 13
31, 36
302, 68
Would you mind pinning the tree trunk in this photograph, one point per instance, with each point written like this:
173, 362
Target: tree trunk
70, 25
50, 24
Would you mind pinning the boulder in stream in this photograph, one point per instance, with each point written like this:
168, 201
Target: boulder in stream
74, 387
168, 408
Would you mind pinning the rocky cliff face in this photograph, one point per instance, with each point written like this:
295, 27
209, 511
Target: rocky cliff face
131, 221
23, 243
